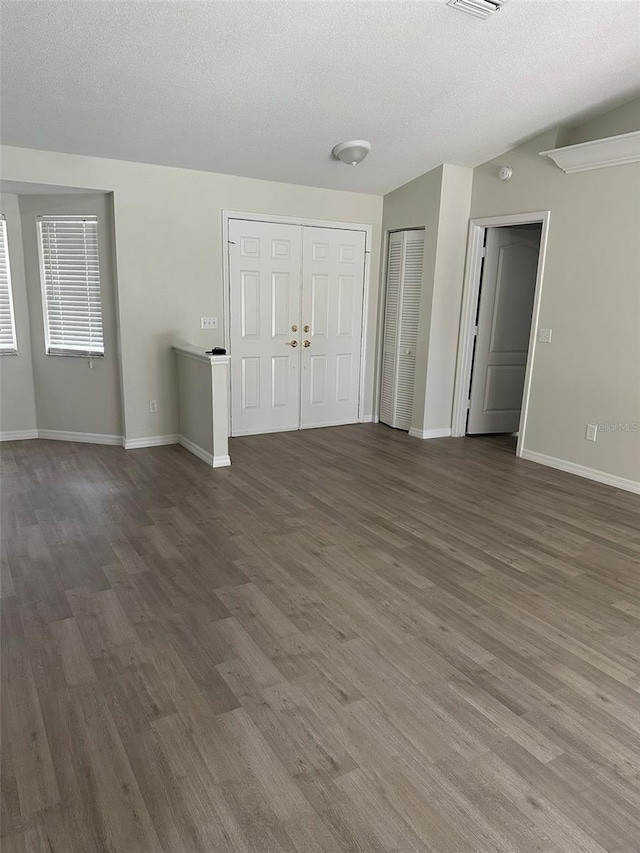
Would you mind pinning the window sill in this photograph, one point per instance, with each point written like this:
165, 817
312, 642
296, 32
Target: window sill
8, 352
75, 354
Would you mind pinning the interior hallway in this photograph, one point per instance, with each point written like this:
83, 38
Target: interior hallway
349, 640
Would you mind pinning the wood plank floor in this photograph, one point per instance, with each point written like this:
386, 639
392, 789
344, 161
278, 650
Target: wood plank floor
350, 640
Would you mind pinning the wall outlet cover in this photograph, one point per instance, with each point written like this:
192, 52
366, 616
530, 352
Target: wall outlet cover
544, 336
153, 406
591, 432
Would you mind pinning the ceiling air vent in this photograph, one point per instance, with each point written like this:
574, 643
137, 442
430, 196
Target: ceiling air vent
478, 8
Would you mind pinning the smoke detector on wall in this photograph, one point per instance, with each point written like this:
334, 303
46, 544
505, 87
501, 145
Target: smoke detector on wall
477, 8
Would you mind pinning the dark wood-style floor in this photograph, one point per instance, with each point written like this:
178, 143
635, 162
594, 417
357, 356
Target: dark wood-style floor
350, 640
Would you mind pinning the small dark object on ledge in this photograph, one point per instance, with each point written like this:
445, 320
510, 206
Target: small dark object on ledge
216, 351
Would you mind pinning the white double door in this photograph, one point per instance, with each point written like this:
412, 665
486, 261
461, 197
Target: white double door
296, 298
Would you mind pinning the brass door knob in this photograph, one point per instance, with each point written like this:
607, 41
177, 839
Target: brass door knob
306, 328
292, 343
294, 328
306, 343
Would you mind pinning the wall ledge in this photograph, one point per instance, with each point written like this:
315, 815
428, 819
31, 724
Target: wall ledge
196, 354
597, 154
582, 471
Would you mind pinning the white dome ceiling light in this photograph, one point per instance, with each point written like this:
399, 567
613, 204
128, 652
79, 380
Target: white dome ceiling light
352, 152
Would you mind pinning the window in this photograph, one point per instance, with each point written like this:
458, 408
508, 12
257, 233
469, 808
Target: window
70, 275
8, 342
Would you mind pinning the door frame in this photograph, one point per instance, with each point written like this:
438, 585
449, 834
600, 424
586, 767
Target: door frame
314, 223
470, 297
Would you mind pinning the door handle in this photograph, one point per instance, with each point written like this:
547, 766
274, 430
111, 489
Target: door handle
306, 328
306, 343
291, 343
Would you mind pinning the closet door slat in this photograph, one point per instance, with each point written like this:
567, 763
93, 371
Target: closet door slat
402, 311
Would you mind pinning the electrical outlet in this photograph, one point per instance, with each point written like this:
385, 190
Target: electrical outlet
592, 432
153, 406
544, 336
208, 322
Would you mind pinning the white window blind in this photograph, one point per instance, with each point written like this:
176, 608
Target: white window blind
70, 274
8, 342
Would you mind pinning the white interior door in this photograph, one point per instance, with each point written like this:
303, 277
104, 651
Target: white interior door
332, 300
265, 261
504, 325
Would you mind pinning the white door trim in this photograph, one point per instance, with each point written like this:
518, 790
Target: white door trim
470, 294
363, 417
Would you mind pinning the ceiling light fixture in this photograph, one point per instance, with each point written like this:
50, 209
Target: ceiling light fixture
352, 152
477, 8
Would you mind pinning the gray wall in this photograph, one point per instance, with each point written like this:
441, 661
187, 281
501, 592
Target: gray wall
168, 237
195, 395
590, 373
417, 205
624, 119
438, 201
590, 297
70, 395
17, 399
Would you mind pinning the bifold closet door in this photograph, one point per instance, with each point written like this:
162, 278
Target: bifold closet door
265, 261
402, 311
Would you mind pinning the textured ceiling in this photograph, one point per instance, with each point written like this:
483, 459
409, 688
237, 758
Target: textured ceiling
266, 89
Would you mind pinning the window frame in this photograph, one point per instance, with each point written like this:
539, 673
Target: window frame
59, 351
13, 350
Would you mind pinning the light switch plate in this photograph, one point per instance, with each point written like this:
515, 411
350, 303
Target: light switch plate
208, 322
544, 336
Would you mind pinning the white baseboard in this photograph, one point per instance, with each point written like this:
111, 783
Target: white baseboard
201, 453
129, 444
82, 437
370, 419
430, 433
18, 435
149, 441
194, 448
62, 435
582, 471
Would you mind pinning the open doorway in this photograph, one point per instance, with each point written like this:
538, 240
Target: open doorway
499, 322
503, 325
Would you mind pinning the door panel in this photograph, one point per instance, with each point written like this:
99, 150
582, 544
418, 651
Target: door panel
265, 275
284, 276
504, 325
332, 297
503, 391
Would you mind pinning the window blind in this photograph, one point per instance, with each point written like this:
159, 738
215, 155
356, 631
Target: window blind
71, 285
8, 341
